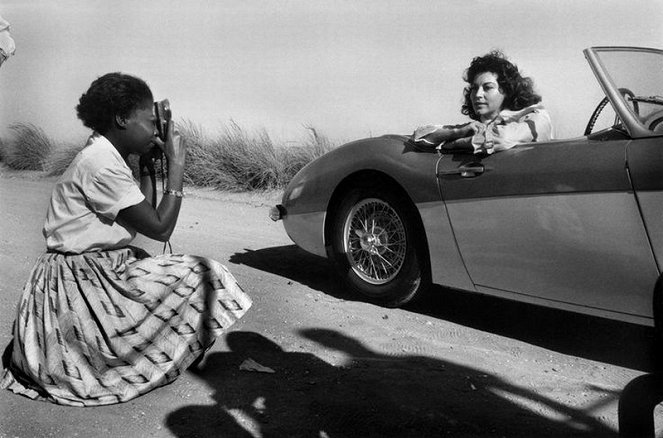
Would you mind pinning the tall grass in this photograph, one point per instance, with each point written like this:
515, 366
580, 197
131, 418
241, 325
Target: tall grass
234, 159
28, 149
239, 160
295, 157
62, 156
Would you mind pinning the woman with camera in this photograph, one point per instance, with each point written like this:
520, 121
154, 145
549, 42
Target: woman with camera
100, 321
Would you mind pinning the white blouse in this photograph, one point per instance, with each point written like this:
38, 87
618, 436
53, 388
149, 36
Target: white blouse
87, 198
509, 128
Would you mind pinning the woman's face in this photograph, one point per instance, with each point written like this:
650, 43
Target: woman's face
141, 128
487, 96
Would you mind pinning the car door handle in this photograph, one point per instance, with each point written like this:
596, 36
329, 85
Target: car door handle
465, 170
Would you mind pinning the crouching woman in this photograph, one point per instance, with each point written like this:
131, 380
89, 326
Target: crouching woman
100, 321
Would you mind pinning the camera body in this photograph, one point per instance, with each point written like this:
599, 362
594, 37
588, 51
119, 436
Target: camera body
163, 115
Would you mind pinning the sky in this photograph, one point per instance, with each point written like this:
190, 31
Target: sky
350, 69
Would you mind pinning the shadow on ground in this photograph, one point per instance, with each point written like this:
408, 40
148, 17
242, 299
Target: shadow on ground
616, 343
372, 395
294, 263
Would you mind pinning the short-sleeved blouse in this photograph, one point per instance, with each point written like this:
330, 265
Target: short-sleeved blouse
87, 198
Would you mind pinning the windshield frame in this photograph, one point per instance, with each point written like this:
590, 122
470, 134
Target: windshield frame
630, 121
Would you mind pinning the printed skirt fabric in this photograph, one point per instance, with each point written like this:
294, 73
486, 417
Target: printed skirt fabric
105, 327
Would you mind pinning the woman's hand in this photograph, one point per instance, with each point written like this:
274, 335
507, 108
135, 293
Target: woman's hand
436, 134
174, 147
433, 134
472, 128
423, 131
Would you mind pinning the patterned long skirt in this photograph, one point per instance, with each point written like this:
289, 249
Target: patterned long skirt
105, 327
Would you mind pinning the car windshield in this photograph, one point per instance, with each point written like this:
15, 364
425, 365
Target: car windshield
638, 74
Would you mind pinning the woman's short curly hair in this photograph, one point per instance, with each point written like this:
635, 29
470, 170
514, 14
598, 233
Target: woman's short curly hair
113, 94
518, 90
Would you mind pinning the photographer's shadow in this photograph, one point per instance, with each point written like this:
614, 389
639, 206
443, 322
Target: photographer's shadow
249, 404
369, 395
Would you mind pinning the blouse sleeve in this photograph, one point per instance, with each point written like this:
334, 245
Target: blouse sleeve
436, 134
532, 127
111, 190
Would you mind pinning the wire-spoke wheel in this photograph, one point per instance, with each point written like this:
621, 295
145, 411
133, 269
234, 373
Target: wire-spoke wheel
374, 241
374, 246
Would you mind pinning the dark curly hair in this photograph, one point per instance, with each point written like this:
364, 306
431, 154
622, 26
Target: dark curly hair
518, 90
110, 95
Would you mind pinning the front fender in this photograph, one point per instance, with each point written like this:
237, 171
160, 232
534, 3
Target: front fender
388, 159
312, 188
307, 197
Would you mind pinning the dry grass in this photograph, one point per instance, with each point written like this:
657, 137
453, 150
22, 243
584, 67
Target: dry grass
61, 157
28, 148
237, 160
233, 160
298, 156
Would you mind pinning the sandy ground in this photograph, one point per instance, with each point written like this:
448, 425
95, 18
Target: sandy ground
452, 364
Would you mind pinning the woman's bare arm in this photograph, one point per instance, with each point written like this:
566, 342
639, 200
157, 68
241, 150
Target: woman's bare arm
158, 223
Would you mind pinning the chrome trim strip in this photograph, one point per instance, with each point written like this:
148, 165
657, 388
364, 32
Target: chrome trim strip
587, 310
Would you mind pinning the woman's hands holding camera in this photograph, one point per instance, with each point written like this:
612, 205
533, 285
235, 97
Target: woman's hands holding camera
174, 147
175, 150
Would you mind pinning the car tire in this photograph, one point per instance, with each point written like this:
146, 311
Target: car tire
376, 246
658, 325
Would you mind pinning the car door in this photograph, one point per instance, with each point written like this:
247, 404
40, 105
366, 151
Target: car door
552, 223
645, 163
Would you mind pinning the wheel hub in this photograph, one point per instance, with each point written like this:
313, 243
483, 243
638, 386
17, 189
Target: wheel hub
375, 242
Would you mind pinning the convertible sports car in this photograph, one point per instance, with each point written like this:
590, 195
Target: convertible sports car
575, 224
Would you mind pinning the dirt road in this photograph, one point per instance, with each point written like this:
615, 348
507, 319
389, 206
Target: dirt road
450, 365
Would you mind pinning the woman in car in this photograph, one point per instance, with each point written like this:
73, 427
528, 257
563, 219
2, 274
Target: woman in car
100, 321
503, 106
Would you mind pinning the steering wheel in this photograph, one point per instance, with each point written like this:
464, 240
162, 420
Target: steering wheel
655, 123
595, 115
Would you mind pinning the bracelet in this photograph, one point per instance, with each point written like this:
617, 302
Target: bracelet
175, 193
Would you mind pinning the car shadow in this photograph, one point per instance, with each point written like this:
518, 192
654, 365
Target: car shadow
288, 262
593, 338
369, 395
614, 342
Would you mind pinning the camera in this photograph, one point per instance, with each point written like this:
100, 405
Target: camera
164, 115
